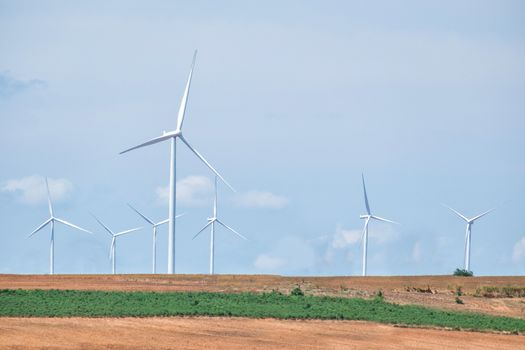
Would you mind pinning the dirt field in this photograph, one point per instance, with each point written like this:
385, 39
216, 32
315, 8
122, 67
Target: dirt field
434, 291
234, 333
240, 333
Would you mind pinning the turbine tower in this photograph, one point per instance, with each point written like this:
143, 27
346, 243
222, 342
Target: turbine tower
154, 225
52, 221
367, 219
211, 222
173, 136
112, 254
467, 233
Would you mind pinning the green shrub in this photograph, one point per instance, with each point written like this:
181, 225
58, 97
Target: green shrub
297, 291
463, 272
379, 296
458, 300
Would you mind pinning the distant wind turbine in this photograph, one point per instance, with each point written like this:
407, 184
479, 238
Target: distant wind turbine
173, 135
467, 233
367, 219
154, 225
112, 250
51, 221
211, 222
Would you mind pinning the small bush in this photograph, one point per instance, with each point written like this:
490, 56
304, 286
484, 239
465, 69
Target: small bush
379, 296
459, 292
459, 301
297, 291
463, 272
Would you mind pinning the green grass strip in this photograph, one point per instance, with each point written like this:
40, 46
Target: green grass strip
68, 303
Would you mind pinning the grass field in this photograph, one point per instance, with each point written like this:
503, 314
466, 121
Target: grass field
68, 303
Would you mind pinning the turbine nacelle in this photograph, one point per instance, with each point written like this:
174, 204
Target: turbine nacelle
52, 220
470, 222
174, 133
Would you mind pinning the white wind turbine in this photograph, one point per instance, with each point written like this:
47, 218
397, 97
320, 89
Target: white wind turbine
467, 233
211, 222
367, 219
173, 135
51, 221
112, 250
154, 225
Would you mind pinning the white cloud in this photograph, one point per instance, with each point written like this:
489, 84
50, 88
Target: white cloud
518, 252
290, 254
192, 191
258, 199
266, 262
32, 189
344, 238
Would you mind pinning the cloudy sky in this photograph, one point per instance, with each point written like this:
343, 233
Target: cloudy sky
291, 101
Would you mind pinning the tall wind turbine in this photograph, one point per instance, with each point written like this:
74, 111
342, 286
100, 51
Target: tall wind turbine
173, 135
154, 225
467, 233
52, 221
367, 219
112, 253
211, 222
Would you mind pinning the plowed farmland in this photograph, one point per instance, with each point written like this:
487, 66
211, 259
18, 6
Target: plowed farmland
491, 295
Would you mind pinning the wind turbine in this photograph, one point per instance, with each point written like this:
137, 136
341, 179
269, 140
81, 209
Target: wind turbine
173, 135
211, 222
112, 253
367, 219
154, 225
52, 221
467, 233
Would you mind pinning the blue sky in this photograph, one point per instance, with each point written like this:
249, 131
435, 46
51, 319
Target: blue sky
291, 102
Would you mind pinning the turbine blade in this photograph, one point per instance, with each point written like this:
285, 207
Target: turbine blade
205, 162
164, 221
184, 101
231, 229
202, 229
366, 197
127, 231
49, 199
482, 214
112, 247
385, 220
142, 215
168, 220
456, 212
40, 227
150, 142
72, 225
105, 227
